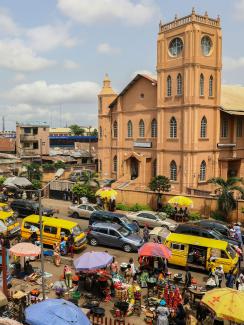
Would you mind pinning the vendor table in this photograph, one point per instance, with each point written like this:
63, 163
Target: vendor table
196, 294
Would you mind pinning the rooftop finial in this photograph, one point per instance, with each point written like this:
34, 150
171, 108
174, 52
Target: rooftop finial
176, 16
160, 25
107, 89
193, 11
206, 14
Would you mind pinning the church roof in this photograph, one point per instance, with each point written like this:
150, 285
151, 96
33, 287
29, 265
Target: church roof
232, 99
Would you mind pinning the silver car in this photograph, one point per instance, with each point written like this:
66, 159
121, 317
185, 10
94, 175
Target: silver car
152, 219
83, 210
113, 235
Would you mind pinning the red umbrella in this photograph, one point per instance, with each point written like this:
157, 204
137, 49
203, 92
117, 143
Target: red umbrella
155, 250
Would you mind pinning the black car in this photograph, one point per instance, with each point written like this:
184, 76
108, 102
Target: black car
195, 230
216, 225
24, 208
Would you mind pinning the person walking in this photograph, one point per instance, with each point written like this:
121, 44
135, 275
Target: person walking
163, 313
146, 235
230, 279
56, 254
240, 281
68, 276
188, 278
70, 245
219, 272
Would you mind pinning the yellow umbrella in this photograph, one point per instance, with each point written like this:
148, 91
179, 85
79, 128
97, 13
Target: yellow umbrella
226, 303
106, 193
181, 201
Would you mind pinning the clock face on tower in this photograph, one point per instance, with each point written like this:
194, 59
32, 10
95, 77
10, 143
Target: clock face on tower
206, 44
176, 47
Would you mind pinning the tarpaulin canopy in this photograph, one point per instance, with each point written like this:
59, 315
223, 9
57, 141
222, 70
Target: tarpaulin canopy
92, 261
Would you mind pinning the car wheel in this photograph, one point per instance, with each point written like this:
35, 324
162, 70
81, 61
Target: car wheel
127, 248
93, 242
75, 215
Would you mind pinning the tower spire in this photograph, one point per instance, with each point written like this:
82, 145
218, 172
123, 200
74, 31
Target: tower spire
107, 89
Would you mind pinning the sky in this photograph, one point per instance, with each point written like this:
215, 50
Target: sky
55, 53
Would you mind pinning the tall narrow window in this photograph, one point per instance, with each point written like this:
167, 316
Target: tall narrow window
115, 164
201, 85
154, 168
141, 129
169, 86
115, 129
100, 165
173, 128
203, 171
179, 85
239, 128
154, 131
210, 86
129, 129
224, 128
173, 171
203, 133
100, 132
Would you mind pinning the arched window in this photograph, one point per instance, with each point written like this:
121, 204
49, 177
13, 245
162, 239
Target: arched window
154, 127
210, 90
129, 129
179, 85
141, 129
154, 168
173, 128
173, 171
100, 132
169, 86
203, 132
201, 85
115, 164
203, 171
115, 129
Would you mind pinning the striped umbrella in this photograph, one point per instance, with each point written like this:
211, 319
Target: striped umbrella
155, 250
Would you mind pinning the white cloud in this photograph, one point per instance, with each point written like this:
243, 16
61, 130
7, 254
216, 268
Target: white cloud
239, 9
233, 64
19, 77
41, 93
127, 11
16, 56
105, 48
48, 37
7, 24
69, 64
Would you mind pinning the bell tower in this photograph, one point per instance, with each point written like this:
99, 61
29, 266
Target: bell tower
189, 64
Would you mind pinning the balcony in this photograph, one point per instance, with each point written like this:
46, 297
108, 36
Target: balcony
29, 137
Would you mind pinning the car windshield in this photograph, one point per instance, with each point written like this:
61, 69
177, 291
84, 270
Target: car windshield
5, 208
9, 221
76, 230
161, 216
124, 232
231, 251
98, 208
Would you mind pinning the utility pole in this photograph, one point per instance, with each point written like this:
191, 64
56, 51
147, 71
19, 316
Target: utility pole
4, 269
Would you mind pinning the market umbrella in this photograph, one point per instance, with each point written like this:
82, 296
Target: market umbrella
8, 321
25, 249
55, 312
226, 303
181, 201
92, 261
155, 250
106, 193
17, 182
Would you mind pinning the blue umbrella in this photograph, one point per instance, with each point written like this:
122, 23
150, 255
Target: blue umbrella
55, 312
92, 261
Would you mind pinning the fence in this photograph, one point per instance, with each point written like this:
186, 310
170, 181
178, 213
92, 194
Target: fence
95, 320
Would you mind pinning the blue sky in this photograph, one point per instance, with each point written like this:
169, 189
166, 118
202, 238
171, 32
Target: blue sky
54, 53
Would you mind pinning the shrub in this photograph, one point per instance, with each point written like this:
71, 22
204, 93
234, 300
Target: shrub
168, 209
194, 216
217, 215
122, 207
133, 208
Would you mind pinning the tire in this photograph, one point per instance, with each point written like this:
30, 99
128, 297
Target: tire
93, 242
127, 248
75, 215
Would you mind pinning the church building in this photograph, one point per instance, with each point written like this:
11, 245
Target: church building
183, 123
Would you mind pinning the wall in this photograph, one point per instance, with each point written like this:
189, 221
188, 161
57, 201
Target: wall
202, 204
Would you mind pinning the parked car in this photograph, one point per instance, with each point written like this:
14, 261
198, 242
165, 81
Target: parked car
195, 230
214, 224
119, 218
78, 175
152, 219
24, 208
114, 235
83, 210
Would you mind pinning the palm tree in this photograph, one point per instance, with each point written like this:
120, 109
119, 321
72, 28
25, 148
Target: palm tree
90, 178
226, 190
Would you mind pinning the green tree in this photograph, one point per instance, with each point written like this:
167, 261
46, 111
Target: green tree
94, 133
160, 184
226, 190
2, 180
59, 164
85, 190
76, 129
33, 171
90, 178
48, 167
36, 184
